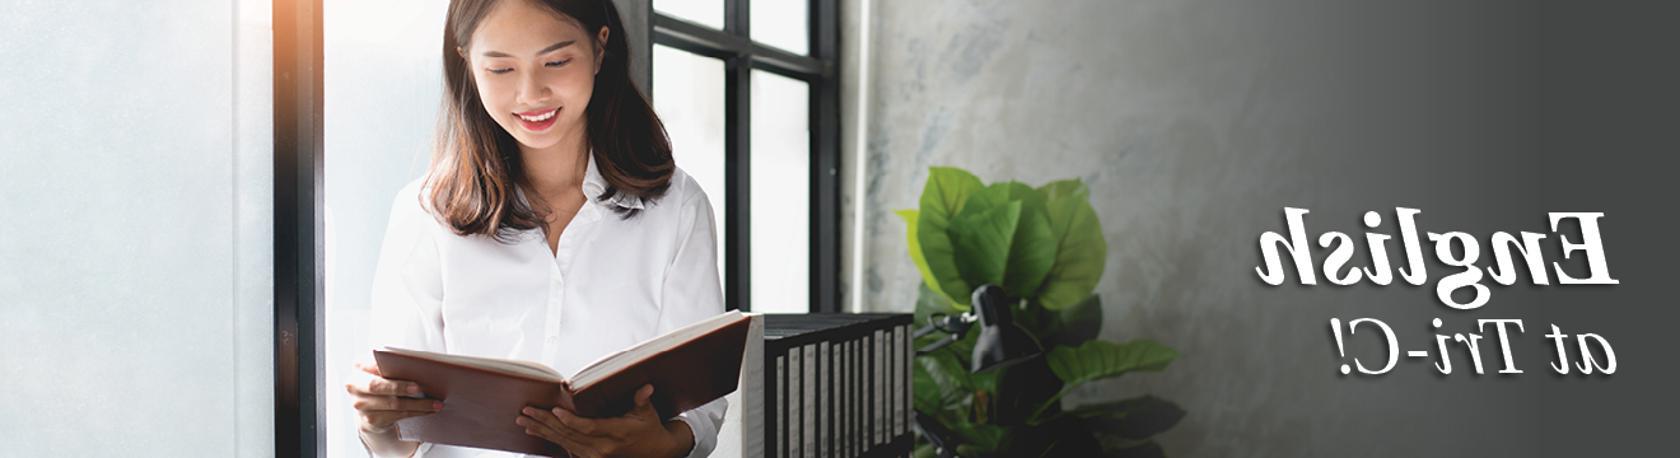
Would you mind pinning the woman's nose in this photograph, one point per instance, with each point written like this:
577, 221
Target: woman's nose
531, 90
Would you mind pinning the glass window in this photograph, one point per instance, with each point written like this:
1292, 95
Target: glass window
377, 137
137, 250
783, 24
688, 95
776, 157
777, 154
704, 12
781, 193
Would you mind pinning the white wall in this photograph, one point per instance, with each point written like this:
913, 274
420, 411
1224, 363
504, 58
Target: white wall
136, 246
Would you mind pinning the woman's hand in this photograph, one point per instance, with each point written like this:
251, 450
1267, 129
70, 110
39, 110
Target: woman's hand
638, 433
381, 401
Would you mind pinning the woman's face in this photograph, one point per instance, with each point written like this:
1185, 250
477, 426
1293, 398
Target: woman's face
535, 71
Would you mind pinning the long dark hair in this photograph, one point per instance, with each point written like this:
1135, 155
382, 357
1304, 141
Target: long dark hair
476, 167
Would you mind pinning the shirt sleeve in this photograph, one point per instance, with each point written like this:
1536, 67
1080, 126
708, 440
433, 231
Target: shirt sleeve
692, 293
407, 291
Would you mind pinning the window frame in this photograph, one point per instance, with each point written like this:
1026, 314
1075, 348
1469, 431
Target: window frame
820, 69
299, 301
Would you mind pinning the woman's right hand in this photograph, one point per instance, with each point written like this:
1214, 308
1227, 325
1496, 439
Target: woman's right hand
380, 402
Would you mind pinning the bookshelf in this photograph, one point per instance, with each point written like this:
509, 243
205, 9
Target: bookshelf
830, 385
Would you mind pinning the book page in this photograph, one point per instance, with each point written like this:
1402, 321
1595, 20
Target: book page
616, 361
505, 366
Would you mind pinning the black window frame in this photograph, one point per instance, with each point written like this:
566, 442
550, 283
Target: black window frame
298, 251
820, 69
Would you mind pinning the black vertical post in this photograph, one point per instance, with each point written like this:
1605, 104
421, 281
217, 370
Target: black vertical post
297, 229
737, 292
637, 18
646, 48
825, 154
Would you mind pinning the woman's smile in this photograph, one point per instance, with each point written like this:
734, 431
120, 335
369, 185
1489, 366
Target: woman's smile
538, 121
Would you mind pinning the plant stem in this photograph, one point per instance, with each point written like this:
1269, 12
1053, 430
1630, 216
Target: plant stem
1057, 399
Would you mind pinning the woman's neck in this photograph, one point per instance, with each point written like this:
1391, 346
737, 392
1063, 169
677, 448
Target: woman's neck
557, 169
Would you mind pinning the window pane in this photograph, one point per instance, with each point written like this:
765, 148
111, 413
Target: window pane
378, 134
688, 95
781, 196
783, 23
136, 250
704, 12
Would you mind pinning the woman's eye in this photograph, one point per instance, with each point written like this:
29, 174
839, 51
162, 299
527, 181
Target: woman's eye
557, 63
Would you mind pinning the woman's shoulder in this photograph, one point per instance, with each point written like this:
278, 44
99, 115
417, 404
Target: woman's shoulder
411, 206
682, 196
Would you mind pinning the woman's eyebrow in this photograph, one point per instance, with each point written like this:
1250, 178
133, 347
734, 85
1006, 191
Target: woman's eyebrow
550, 48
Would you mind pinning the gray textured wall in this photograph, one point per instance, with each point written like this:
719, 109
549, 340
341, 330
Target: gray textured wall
1194, 123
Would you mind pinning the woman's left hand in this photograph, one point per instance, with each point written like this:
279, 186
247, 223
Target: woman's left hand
638, 433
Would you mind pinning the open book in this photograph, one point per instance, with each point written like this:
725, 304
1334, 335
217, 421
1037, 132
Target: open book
687, 367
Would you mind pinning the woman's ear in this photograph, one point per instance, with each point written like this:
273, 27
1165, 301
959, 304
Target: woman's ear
461, 52
601, 47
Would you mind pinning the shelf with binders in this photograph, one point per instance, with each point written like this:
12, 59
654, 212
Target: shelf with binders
833, 385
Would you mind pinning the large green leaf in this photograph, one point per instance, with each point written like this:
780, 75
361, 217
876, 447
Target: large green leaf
1064, 189
1069, 437
929, 302
1003, 237
1145, 449
981, 237
915, 247
1100, 359
927, 394
1015, 190
1072, 326
1032, 250
987, 197
980, 438
945, 194
1135, 419
948, 375
1080, 249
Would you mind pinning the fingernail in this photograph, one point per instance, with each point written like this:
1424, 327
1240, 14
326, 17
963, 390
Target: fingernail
414, 389
437, 405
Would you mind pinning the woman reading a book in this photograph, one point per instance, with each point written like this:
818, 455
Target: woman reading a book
552, 226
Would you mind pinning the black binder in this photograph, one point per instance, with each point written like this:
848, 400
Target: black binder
837, 384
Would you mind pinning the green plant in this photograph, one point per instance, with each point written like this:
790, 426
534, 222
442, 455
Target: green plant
1044, 246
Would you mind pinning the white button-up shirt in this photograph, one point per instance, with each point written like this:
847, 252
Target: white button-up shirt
611, 283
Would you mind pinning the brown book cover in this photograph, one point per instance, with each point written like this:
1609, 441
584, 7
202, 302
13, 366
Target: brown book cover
687, 367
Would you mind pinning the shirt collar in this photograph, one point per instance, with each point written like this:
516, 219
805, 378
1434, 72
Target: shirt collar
594, 185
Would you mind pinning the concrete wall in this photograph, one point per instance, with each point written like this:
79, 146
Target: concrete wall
1194, 123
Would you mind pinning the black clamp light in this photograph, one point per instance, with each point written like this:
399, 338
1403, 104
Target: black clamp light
1000, 344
